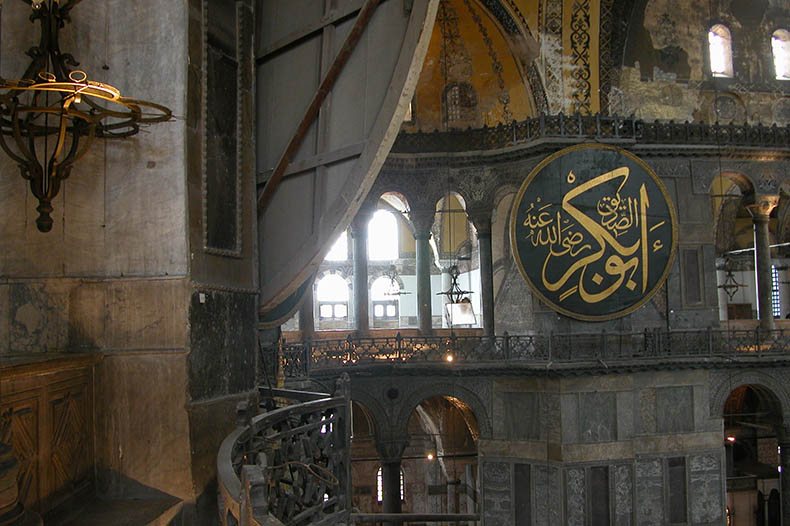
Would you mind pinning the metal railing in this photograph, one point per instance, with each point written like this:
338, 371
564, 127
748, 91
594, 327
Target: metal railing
289, 465
600, 127
299, 359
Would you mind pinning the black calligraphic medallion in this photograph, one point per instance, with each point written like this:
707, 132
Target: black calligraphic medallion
594, 232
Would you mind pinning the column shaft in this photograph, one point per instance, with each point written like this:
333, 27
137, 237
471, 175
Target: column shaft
390, 485
784, 481
423, 249
359, 233
486, 281
762, 267
306, 317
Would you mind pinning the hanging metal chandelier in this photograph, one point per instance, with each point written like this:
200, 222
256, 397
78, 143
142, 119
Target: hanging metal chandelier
50, 117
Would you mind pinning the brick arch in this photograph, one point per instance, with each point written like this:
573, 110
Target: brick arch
723, 384
454, 390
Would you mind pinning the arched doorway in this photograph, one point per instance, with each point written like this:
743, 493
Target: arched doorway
364, 459
440, 463
752, 420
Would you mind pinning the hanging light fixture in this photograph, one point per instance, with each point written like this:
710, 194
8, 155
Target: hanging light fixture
394, 287
730, 285
50, 117
459, 309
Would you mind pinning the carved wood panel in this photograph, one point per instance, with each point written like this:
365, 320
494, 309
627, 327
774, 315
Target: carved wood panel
51, 428
69, 463
24, 425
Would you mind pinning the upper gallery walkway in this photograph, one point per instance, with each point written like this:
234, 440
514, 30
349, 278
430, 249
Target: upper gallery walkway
734, 344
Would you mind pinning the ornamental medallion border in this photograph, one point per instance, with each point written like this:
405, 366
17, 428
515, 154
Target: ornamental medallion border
670, 206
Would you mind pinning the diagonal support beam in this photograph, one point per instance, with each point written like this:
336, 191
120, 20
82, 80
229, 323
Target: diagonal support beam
365, 14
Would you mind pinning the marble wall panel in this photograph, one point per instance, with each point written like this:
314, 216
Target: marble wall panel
623, 495
649, 492
705, 488
138, 436
569, 404
575, 497
625, 415
550, 407
521, 416
38, 316
548, 495
496, 489
674, 409
647, 411
598, 416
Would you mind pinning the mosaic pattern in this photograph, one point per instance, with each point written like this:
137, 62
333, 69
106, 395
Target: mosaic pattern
551, 51
496, 64
580, 57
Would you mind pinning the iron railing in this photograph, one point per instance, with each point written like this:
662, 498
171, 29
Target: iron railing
599, 127
300, 359
289, 465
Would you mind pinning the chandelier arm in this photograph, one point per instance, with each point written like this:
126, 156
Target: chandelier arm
29, 153
4, 145
166, 113
61, 134
75, 153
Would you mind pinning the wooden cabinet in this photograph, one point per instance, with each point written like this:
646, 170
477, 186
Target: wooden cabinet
52, 425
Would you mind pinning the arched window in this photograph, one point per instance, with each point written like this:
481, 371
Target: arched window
332, 296
383, 237
385, 304
780, 44
380, 486
720, 48
339, 250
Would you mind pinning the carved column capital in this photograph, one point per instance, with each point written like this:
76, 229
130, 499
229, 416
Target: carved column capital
481, 216
422, 221
359, 225
391, 450
761, 205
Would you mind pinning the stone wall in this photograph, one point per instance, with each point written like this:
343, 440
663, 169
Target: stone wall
136, 267
644, 448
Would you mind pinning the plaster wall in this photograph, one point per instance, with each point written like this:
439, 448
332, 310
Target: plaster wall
666, 71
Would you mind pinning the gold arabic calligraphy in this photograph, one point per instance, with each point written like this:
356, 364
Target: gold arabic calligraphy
579, 240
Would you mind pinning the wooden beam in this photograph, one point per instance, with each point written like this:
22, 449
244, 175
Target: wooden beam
365, 14
333, 17
322, 159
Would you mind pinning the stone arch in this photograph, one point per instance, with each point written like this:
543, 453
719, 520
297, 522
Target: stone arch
743, 181
500, 236
440, 219
454, 390
727, 203
380, 272
375, 410
783, 218
723, 384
